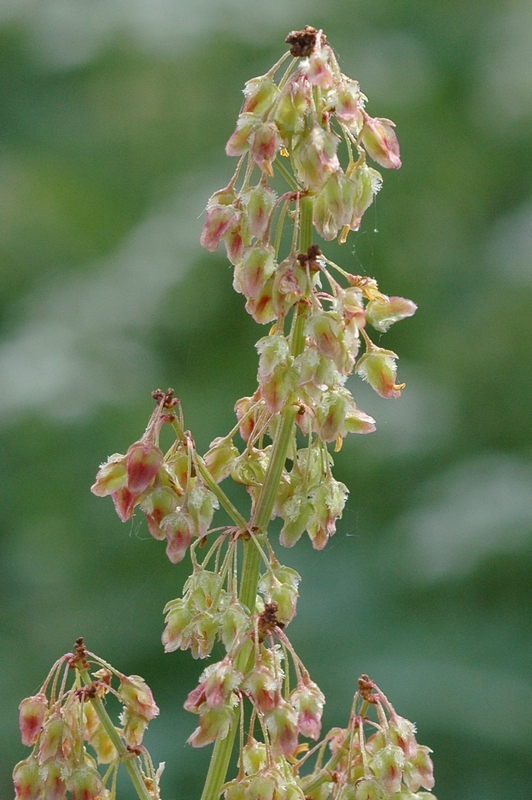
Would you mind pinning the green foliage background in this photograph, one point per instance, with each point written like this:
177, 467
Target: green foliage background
114, 118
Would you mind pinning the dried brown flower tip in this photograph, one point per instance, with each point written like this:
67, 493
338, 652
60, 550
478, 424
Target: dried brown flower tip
302, 43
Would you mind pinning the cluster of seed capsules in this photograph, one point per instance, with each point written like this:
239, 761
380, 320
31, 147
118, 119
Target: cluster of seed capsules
291, 131
288, 130
299, 120
368, 760
68, 739
365, 761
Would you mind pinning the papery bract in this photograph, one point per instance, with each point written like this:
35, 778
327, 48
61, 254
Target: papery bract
383, 313
143, 461
85, 783
178, 528
379, 369
379, 139
214, 724
27, 780
135, 693
32, 712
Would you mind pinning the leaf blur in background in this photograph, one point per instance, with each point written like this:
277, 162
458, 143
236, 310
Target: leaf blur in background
115, 114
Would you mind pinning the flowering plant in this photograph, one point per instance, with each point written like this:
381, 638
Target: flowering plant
289, 181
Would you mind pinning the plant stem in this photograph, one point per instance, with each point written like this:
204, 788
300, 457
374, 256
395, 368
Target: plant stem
223, 748
129, 761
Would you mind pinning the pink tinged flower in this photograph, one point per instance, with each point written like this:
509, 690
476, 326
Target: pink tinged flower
221, 683
238, 142
235, 241
419, 770
333, 207
368, 182
338, 415
137, 696
111, 476
315, 371
349, 103
379, 139
85, 783
53, 777
263, 688
220, 220
315, 157
176, 635
296, 512
259, 203
56, 739
214, 724
236, 790
378, 368
402, 733
290, 283
204, 630
254, 757
27, 780
247, 421
280, 586
264, 145
273, 351
32, 712
251, 274
143, 461
260, 94
348, 303
293, 105
103, 747
277, 389
261, 308
215, 689
357, 421
177, 528
195, 699
329, 500
262, 787
124, 502
318, 70
383, 313
308, 700
201, 504
91, 721
220, 457
133, 727
235, 622
157, 505
281, 723
369, 789
324, 328
387, 764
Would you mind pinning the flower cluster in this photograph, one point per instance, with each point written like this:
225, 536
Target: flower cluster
320, 315
176, 503
387, 763
59, 724
210, 610
282, 715
304, 117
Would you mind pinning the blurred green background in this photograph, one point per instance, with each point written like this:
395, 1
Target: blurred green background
114, 118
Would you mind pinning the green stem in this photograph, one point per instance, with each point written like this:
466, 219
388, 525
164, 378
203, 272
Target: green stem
129, 761
286, 175
223, 748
